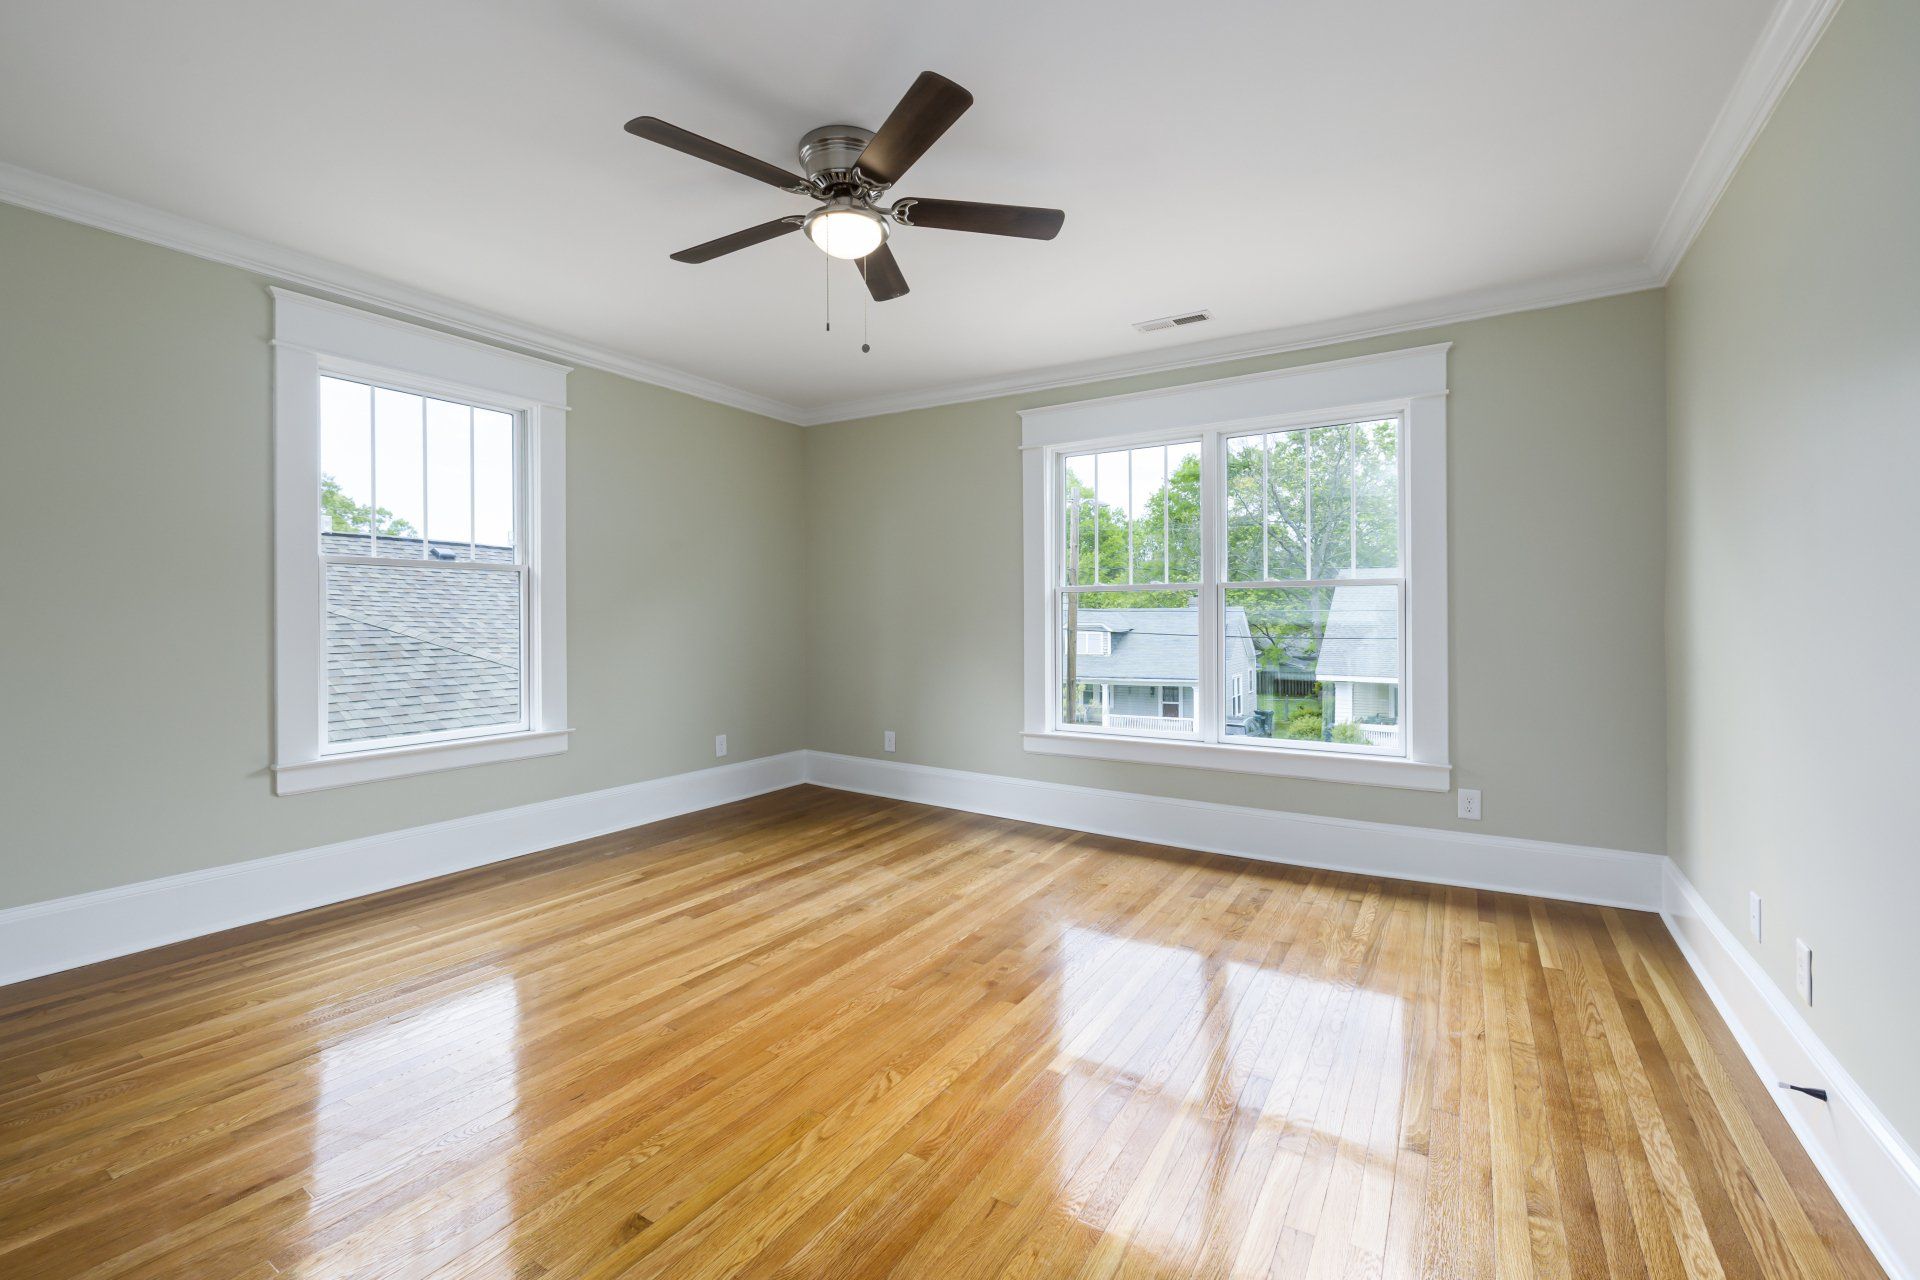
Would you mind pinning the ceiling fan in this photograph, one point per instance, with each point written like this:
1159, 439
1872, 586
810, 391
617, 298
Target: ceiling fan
850, 170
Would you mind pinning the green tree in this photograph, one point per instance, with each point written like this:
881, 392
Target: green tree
344, 515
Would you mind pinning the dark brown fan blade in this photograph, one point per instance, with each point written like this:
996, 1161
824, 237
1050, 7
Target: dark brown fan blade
882, 275
928, 110
672, 135
738, 240
988, 219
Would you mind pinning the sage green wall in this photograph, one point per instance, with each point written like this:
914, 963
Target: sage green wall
1556, 460
136, 624
1795, 410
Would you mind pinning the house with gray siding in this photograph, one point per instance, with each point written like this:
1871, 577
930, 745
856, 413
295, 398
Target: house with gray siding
1359, 661
1139, 668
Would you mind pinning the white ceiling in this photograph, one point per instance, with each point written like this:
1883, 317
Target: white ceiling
1285, 163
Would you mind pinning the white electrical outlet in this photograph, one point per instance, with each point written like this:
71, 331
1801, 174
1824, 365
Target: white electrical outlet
1470, 804
1753, 915
719, 744
1803, 969
888, 740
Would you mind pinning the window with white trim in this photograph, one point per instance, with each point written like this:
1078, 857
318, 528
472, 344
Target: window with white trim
1274, 544
420, 558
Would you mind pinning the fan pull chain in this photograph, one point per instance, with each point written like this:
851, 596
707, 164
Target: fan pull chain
865, 305
826, 279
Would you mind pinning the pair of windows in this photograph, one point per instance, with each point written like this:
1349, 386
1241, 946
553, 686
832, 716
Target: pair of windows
1309, 587
1275, 543
420, 562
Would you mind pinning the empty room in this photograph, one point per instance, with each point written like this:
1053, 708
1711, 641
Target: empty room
1082, 639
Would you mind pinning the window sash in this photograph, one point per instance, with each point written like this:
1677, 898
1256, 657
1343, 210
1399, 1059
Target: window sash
330, 749
1211, 710
1070, 517
426, 391
407, 562
520, 565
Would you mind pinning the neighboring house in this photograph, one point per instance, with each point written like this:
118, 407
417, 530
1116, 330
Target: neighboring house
418, 650
1138, 668
1360, 661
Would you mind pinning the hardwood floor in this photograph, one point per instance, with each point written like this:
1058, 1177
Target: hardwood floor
821, 1035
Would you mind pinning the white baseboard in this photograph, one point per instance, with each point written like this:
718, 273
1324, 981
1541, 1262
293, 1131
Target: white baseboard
1576, 873
47, 937
1873, 1172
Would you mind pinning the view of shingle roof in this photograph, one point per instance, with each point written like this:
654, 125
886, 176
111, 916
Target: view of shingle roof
419, 650
1362, 638
1157, 646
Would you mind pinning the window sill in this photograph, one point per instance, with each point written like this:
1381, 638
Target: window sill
400, 762
1371, 771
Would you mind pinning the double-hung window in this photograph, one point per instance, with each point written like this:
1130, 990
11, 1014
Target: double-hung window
419, 560
1263, 560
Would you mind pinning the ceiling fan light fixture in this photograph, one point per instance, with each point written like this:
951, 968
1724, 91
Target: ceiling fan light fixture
850, 168
844, 229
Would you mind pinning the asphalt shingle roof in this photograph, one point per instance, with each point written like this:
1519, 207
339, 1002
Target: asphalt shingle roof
419, 650
1362, 639
1157, 646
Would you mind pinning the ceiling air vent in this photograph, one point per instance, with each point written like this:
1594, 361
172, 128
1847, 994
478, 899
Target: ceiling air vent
1169, 322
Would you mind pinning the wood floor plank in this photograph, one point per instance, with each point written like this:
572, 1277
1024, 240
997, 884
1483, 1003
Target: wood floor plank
824, 1035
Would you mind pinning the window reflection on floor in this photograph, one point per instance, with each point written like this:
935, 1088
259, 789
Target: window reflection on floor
434, 1090
1242, 1082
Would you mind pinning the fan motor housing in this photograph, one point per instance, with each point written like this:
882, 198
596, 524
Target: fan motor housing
828, 153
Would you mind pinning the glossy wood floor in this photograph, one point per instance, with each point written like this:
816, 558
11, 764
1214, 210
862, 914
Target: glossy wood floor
819, 1035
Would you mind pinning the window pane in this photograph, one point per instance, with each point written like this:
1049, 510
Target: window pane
413, 651
449, 480
1144, 680
1131, 515
346, 466
1376, 466
1147, 508
494, 461
1077, 512
1110, 487
1287, 504
399, 489
1324, 663
1183, 511
1246, 460
1331, 484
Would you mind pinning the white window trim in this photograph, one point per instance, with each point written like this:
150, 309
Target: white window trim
1411, 384
311, 338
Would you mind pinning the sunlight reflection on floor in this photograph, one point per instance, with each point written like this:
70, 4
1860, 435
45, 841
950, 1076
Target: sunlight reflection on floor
462, 1052
1245, 1080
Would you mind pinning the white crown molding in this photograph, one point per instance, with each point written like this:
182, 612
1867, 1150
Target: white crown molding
93, 208
65, 933
1479, 304
1874, 1174
1789, 36
1777, 56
